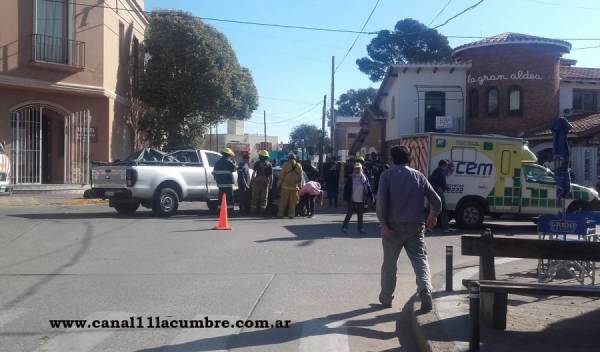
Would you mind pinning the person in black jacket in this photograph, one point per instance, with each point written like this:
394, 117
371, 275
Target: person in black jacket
244, 192
357, 192
223, 173
332, 183
438, 181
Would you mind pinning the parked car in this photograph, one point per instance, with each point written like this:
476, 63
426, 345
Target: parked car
5, 187
157, 180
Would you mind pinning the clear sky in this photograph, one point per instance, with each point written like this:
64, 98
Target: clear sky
292, 68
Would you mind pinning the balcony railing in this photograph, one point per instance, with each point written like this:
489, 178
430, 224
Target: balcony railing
56, 50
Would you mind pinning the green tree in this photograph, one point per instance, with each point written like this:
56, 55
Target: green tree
191, 79
309, 136
354, 101
410, 42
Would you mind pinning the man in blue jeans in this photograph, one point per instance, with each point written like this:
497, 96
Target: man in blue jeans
400, 200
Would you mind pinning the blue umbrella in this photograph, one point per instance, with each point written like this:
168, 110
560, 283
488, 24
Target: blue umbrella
560, 149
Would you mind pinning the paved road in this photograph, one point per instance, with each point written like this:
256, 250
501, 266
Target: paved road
87, 263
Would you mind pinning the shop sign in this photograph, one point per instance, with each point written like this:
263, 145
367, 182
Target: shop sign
444, 122
82, 133
517, 76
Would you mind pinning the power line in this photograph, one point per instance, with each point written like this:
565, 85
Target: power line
357, 36
439, 13
587, 47
289, 119
564, 5
337, 30
459, 14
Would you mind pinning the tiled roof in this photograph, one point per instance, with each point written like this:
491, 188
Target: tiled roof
579, 73
514, 38
582, 125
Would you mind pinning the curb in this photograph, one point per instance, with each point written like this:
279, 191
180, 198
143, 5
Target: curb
422, 342
25, 201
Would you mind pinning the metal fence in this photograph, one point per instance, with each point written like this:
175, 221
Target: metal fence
58, 50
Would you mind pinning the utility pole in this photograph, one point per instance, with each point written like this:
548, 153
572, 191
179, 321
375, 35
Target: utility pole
322, 151
265, 126
210, 137
332, 112
217, 135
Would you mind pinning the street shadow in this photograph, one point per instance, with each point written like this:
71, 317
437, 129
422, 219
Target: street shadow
308, 233
143, 214
347, 323
33, 289
579, 333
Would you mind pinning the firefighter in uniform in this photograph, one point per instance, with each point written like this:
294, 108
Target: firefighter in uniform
223, 173
290, 181
262, 179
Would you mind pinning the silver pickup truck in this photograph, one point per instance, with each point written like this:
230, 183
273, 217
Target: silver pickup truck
157, 180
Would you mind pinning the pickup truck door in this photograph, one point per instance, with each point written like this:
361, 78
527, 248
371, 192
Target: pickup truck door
210, 159
193, 173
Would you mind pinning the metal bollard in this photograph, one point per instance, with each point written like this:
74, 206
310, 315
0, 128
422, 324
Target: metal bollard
474, 316
449, 268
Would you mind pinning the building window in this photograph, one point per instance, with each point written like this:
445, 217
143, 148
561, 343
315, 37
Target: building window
585, 101
52, 30
514, 101
492, 101
393, 106
474, 103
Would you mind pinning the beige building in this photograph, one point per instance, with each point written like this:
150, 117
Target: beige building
66, 69
238, 140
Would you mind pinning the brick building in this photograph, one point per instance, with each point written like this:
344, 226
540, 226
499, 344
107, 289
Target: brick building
513, 84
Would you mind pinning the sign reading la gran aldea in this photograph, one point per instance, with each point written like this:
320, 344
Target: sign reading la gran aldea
516, 76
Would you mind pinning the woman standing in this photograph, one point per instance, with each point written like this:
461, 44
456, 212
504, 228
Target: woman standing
357, 192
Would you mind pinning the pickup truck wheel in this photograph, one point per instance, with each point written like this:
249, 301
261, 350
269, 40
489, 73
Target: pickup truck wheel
470, 215
166, 202
127, 208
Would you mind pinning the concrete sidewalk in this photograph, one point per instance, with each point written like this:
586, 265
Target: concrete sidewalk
534, 323
47, 199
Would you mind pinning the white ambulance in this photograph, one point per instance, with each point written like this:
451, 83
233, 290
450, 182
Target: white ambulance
5, 188
493, 175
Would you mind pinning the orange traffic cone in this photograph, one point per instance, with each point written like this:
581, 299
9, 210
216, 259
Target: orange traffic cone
223, 223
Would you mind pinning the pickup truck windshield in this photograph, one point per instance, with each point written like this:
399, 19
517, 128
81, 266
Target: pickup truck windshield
151, 155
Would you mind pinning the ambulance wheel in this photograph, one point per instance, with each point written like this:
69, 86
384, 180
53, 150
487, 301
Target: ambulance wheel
470, 215
166, 202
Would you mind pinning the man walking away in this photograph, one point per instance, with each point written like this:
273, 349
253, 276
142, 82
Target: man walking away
244, 184
357, 192
290, 181
262, 179
223, 173
332, 183
438, 182
402, 191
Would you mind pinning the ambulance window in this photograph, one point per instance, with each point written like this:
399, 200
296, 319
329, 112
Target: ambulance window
463, 154
505, 163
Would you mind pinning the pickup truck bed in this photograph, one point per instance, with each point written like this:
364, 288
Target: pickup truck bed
157, 180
